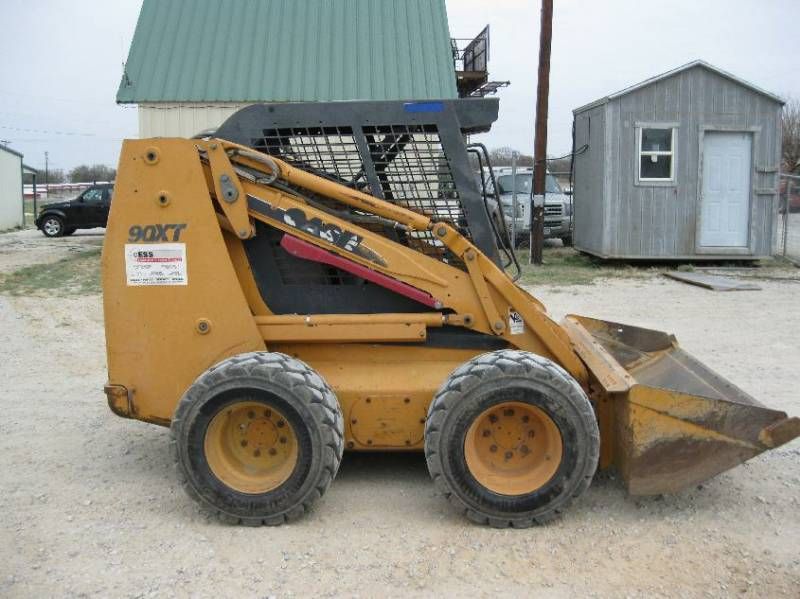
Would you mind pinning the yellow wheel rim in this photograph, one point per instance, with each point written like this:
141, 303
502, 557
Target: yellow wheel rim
251, 447
513, 448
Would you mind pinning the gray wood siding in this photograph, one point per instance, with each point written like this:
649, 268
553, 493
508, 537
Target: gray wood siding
589, 176
660, 220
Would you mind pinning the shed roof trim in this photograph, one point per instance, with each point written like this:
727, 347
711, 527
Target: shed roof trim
289, 50
680, 69
10, 151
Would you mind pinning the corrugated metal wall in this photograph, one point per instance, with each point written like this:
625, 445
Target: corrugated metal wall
10, 190
660, 221
182, 120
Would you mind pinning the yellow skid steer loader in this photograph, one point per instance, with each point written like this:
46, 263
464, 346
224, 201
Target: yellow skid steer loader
321, 277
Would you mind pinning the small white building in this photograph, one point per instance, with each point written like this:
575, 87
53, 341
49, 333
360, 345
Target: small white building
11, 208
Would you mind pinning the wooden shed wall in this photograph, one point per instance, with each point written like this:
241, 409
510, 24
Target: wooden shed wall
647, 220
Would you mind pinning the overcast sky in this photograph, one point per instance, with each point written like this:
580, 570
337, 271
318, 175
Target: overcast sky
61, 62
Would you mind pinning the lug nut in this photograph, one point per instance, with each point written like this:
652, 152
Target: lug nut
492, 418
493, 448
244, 443
268, 413
272, 451
526, 418
283, 439
524, 449
486, 432
257, 452
531, 434
509, 455
281, 423
509, 412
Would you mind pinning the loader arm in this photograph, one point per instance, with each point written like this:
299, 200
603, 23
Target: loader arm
481, 299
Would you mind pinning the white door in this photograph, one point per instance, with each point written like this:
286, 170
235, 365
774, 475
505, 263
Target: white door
725, 199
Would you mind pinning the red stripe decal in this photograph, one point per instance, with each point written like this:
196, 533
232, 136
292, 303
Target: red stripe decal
303, 249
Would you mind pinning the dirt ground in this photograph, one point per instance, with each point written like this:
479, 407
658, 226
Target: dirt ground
91, 506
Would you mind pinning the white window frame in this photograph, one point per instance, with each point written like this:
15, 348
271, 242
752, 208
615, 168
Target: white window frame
641, 153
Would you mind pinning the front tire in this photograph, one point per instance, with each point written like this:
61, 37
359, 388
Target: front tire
53, 226
258, 438
511, 439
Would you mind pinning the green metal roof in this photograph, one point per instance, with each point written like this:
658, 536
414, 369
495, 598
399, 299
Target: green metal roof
289, 50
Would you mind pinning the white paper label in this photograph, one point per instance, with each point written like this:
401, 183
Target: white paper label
156, 264
516, 326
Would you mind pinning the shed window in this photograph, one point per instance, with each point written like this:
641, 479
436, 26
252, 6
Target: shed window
656, 154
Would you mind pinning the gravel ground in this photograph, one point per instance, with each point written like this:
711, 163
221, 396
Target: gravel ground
30, 246
91, 506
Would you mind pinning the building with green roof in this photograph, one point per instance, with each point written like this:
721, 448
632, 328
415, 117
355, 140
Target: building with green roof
192, 63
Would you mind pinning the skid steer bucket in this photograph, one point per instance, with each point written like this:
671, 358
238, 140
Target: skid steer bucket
674, 421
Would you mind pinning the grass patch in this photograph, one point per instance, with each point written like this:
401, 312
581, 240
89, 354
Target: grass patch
565, 266
75, 275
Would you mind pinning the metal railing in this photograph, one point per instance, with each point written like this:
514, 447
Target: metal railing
471, 55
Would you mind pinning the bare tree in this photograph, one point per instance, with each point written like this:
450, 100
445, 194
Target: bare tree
503, 157
559, 165
790, 126
54, 175
91, 174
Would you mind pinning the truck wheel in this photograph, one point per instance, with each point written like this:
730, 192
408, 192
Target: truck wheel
567, 241
258, 438
511, 439
53, 226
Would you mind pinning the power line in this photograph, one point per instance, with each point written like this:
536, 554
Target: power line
47, 132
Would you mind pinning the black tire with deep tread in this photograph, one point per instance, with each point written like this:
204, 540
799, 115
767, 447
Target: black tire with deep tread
473, 387
306, 400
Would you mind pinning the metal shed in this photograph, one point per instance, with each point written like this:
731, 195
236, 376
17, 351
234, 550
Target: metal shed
681, 166
193, 63
11, 214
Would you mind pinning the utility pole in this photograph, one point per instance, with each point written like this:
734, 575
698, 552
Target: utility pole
46, 178
540, 141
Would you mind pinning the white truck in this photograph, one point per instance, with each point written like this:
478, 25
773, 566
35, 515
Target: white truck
557, 204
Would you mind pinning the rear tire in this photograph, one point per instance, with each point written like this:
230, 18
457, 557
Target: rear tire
567, 241
258, 438
53, 226
511, 439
